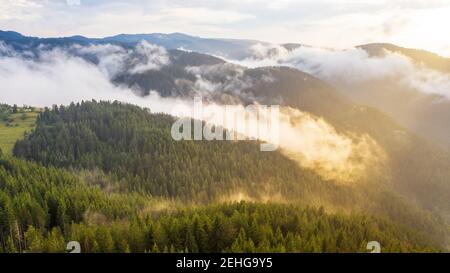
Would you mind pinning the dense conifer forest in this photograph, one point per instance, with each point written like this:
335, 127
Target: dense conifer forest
110, 176
44, 208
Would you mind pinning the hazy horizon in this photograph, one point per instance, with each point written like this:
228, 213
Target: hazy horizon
326, 23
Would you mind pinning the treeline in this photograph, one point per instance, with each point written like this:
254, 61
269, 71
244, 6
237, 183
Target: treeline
249, 228
246, 228
6, 111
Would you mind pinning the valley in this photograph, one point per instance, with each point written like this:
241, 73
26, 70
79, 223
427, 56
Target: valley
94, 161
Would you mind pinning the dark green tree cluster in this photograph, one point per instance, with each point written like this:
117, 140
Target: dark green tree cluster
5, 113
50, 199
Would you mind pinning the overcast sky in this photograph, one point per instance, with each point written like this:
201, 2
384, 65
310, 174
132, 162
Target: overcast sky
330, 23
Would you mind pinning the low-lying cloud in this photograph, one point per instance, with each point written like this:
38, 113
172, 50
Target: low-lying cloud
58, 76
310, 141
148, 57
351, 66
220, 79
114, 59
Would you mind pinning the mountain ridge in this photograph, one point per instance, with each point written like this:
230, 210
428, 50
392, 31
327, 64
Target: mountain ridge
232, 47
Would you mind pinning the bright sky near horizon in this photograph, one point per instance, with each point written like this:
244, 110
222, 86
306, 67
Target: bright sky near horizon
329, 23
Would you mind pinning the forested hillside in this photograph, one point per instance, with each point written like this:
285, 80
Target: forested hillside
44, 208
429, 59
124, 149
420, 170
137, 149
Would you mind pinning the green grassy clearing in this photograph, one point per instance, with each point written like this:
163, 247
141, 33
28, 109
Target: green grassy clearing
14, 128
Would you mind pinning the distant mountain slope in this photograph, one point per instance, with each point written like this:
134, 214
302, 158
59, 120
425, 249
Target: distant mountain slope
425, 113
20, 41
166, 79
429, 59
419, 169
229, 48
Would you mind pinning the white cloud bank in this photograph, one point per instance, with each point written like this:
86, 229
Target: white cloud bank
113, 59
59, 77
304, 138
351, 66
